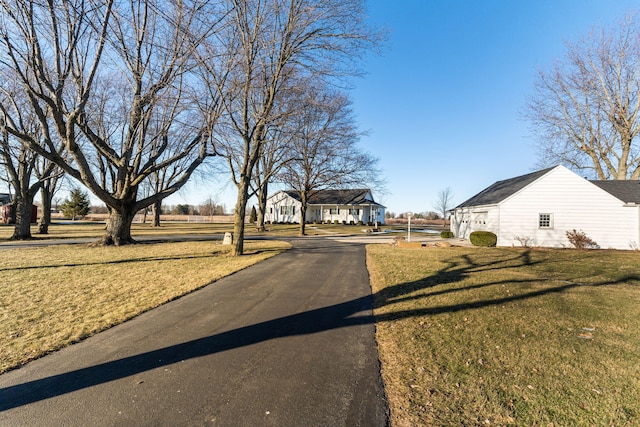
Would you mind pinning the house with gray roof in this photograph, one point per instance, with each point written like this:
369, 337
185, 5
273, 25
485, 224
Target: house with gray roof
349, 206
540, 207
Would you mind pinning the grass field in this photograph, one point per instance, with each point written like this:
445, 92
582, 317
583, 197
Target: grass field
502, 336
54, 296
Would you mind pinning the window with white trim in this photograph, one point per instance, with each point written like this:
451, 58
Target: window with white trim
545, 220
287, 210
334, 211
354, 211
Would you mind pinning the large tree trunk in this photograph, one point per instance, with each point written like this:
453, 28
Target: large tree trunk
262, 207
303, 213
238, 217
118, 229
303, 223
156, 209
45, 219
22, 227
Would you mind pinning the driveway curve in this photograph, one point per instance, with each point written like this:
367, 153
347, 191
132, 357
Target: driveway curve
287, 342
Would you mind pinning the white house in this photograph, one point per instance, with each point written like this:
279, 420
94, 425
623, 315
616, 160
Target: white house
345, 206
542, 206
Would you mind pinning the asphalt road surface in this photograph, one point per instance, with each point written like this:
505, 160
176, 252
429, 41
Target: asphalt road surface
287, 342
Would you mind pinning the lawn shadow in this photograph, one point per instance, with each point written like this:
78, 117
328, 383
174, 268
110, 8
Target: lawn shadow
456, 272
118, 261
350, 313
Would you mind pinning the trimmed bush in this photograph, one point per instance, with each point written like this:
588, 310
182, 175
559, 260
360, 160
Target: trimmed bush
447, 234
483, 238
336, 222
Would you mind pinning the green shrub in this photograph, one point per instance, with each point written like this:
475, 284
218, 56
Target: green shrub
446, 234
483, 238
335, 221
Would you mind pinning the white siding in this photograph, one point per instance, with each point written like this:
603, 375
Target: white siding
275, 205
346, 213
336, 213
574, 203
478, 218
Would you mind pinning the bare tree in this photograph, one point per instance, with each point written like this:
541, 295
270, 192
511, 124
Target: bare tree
267, 43
51, 180
444, 203
115, 82
27, 173
325, 152
585, 110
210, 207
276, 154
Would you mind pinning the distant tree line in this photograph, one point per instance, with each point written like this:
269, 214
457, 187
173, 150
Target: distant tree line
207, 208
204, 209
430, 215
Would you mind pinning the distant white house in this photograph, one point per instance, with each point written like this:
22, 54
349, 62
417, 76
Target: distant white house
542, 206
345, 206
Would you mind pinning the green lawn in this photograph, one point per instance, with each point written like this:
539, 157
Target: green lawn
502, 336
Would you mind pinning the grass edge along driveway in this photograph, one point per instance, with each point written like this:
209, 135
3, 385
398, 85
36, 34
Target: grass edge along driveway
51, 297
508, 336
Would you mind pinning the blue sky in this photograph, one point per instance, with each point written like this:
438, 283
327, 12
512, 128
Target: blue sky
443, 103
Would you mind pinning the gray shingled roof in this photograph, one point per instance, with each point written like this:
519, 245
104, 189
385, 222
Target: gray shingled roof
335, 197
502, 189
627, 191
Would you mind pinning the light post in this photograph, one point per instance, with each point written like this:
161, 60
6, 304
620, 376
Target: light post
409, 226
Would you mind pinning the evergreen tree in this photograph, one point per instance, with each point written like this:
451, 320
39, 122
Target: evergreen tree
77, 205
253, 216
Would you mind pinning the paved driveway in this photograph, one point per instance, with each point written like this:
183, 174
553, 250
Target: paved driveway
287, 342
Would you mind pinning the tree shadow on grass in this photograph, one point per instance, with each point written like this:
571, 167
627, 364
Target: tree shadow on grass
118, 261
355, 312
